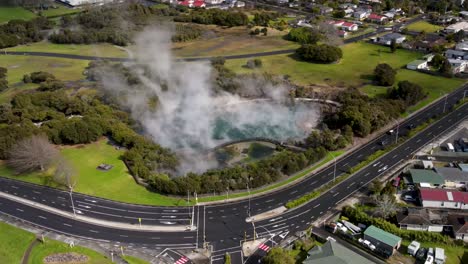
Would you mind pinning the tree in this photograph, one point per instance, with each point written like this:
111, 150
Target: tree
384, 74
409, 92
319, 53
438, 60
3, 78
64, 174
264, 31
339, 14
278, 256
33, 153
375, 187
386, 206
446, 68
304, 35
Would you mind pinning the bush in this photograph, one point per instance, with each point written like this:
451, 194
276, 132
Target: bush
304, 35
320, 53
409, 92
27, 78
255, 63
38, 77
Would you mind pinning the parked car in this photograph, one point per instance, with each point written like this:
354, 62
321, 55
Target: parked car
413, 248
341, 227
430, 252
409, 198
410, 126
429, 260
439, 256
368, 244
421, 254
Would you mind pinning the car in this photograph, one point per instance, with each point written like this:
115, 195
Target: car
341, 227
409, 198
368, 244
391, 131
431, 158
421, 254
410, 126
383, 142
384, 168
430, 252
429, 260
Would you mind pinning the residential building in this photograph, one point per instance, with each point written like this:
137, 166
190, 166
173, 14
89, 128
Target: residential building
74, 3
456, 54
459, 225
427, 45
214, 2
348, 26
390, 15
421, 219
441, 198
425, 178
427, 164
464, 14
376, 18
458, 65
239, 4
361, 15
389, 38
334, 252
462, 46
417, 65
463, 167
348, 12
457, 27
325, 10
347, 6
384, 242
453, 177
342, 33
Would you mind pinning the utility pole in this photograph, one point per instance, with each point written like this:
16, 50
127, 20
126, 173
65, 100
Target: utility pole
227, 194
464, 95
193, 216
248, 190
334, 166
445, 103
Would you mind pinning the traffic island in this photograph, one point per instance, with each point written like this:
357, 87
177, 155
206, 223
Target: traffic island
266, 215
249, 247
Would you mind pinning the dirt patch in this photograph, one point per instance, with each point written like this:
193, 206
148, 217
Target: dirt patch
14, 66
66, 258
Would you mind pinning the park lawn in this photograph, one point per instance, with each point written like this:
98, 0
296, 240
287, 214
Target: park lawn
60, 11
9, 13
42, 250
436, 86
116, 184
453, 254
423, 26
13, 243
134, 260
354, 69
63, 69
99, 50
232, 41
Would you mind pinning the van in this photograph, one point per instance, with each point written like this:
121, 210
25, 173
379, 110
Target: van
439, 256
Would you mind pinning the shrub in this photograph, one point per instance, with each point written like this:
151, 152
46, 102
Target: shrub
320, 53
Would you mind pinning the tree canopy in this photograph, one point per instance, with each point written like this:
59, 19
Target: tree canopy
319, 53
384, 74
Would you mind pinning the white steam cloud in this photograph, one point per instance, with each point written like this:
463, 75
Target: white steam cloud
188, 116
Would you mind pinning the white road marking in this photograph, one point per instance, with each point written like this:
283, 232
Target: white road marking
20, 210
94, 231
67, 225
316, 205
40, 216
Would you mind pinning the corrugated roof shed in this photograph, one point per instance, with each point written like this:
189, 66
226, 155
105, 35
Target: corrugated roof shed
382, 236
428, 176
334, 253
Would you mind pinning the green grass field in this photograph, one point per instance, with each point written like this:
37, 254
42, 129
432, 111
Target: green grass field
134, 260
423, 26
100, 50
13, 243
9, 13
356, 67
42, 250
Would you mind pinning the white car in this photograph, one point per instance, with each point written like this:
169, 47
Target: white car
341, 227
383, 168
368, 244
409, 198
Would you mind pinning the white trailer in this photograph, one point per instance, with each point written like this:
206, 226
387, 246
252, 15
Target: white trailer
450, 147
439, 256
413, 248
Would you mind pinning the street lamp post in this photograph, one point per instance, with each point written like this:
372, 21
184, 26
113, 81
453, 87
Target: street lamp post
71, 199
397, 130
334, 166
445, 103
248, 190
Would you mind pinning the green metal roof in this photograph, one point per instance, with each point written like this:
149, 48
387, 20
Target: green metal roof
382, 236
428, 176
416, 62
334, 253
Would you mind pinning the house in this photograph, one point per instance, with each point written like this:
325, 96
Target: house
214, 2
239, 4
348, 12
376, 18
428, 58
334, 252
441, 198
392, 37
361, 15
384, 242
425, 178
453, 177
347, 6
348, 26
417, 64
421, 219
459, 225
390, 15
336, 24
428, 45
74, 3
427, 164
457, 27
456, 54
464, 14
463, 167
462, 46
303, 23
282, 2
325, 10
342, 33
458, 65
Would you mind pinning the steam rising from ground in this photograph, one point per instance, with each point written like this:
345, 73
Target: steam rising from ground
178, 108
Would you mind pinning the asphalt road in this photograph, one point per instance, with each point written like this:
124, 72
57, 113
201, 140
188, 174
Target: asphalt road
223, 225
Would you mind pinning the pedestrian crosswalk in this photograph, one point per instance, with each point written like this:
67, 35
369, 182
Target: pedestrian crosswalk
264, 247
182, 260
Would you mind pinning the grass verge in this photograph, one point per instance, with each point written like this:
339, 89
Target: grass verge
13, 243
99, 50
9, 13
423, 26
49, 247
134, 260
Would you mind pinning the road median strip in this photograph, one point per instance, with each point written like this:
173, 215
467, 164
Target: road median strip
99, 222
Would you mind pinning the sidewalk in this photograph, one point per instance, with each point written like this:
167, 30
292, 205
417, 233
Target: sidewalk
104, 223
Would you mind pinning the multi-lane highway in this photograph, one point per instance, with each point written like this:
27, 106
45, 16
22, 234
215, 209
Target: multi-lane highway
223, 226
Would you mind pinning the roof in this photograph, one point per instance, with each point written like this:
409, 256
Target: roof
456, 52
428, 176
375, 16
348, 24
458, 26
417, 62
382, 236
443, 195
463, 167
421, 216
455, 62
452, 174
459, 223
392, 36
334, 252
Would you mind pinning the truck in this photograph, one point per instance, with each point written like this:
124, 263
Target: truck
439, 256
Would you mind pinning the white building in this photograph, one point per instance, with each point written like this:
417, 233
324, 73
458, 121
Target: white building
441, 198
458, 65
457, 27
85, 2
417, 65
